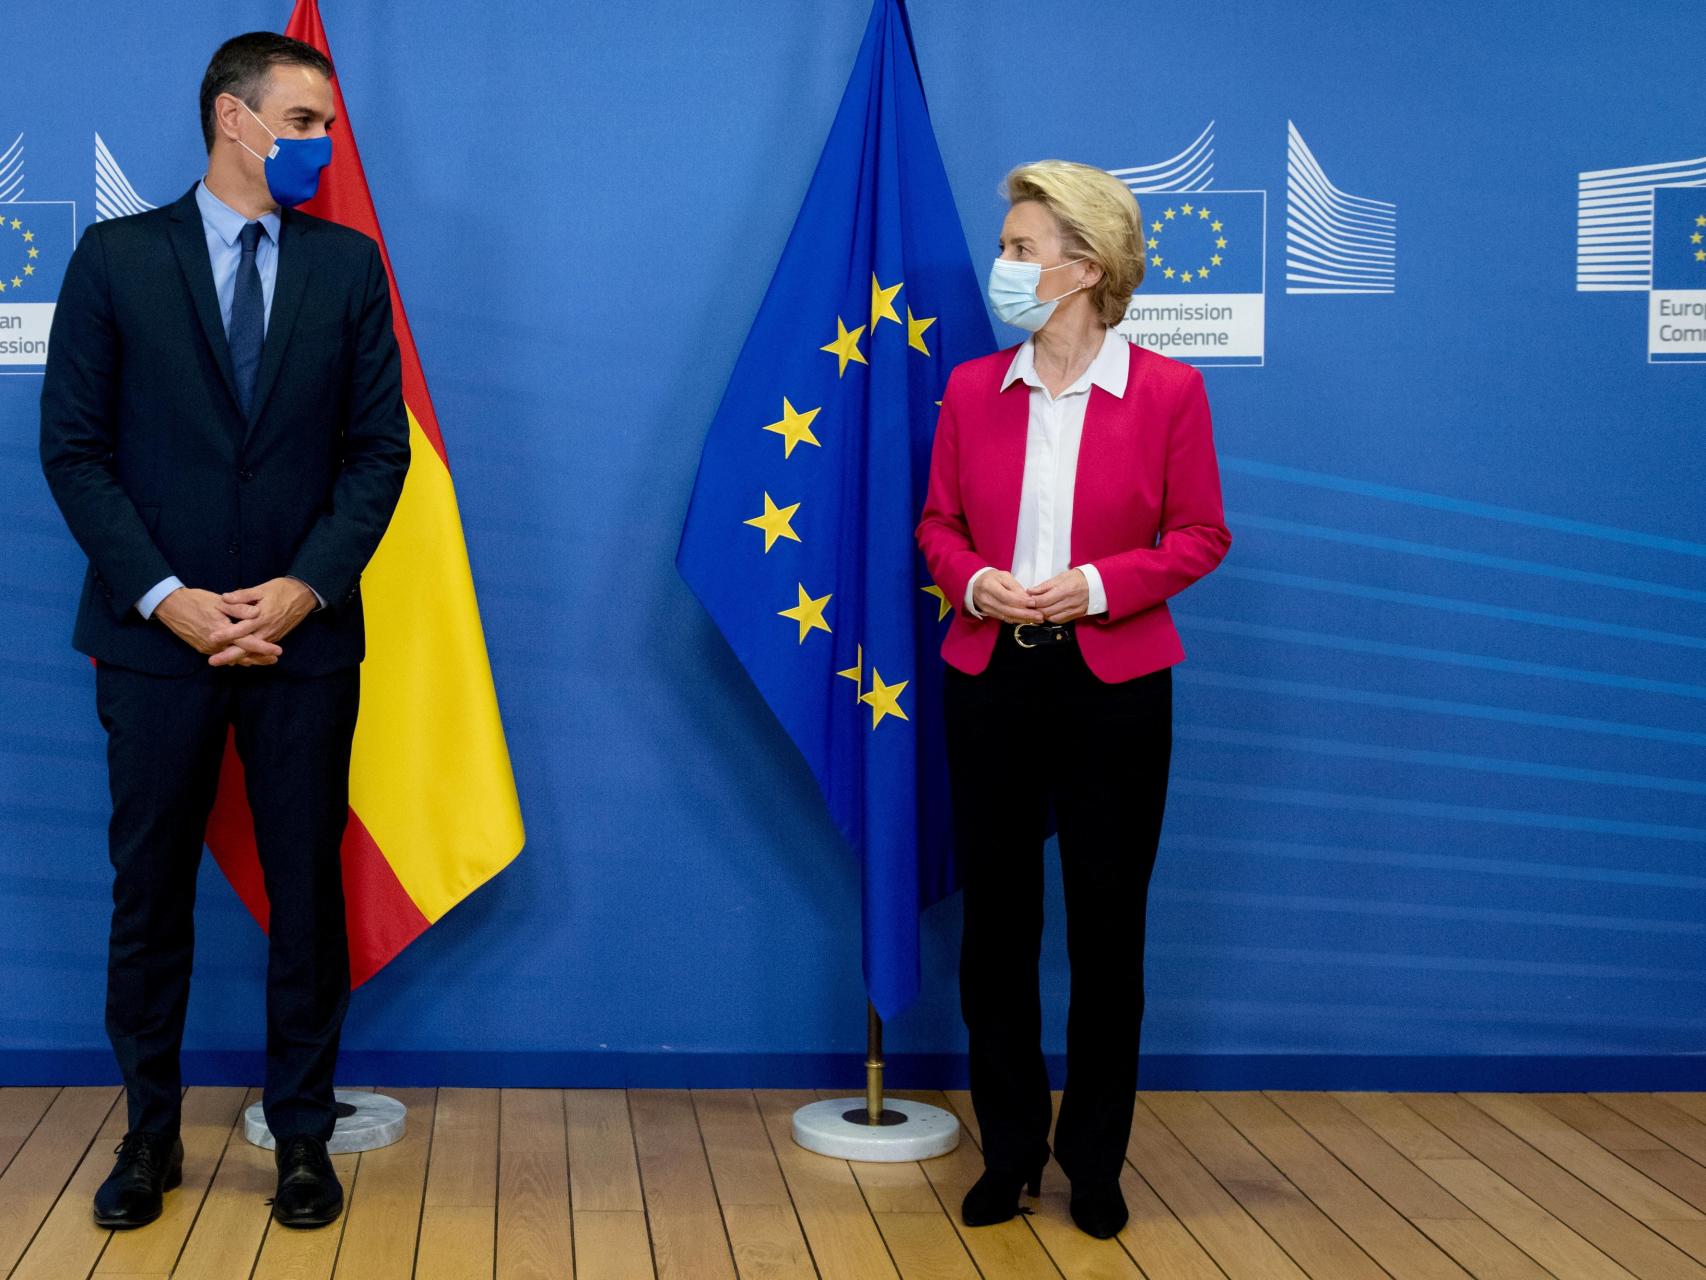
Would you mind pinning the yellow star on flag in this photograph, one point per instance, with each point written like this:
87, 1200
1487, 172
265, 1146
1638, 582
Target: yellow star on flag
943, 608
1220, 242
794, 427
774, 522
29, 270
1699, 222
34, 252
845, 347
1168, 273
28, 235
1694, 239
1154, 243
1167, 214
1186, 277
2, 286
1156, 226
1215, 225
808, 613
856, 672
16, 224
1214, 260
1202, 273
1700, 255
1186, 209
882, 303
17, 282
884, 699
915, 327
1202, 213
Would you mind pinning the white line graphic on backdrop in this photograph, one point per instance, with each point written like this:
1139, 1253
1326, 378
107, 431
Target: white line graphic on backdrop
1191, 170
1614, 223
1334, 242
12, 170
114, 196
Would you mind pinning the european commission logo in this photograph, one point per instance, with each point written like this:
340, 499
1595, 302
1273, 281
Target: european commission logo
1642, 229
1203, 298
36, 240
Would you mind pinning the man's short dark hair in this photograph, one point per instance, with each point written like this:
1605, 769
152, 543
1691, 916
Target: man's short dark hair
242, 64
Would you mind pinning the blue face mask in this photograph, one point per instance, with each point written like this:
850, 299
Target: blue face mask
292, 165
1013, 293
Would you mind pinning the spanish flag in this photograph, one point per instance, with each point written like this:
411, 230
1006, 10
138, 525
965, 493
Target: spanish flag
433, 809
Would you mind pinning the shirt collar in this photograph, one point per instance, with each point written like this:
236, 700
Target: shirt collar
226, 222
1109, 370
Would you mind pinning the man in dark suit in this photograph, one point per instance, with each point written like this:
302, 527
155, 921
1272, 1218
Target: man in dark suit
223, 429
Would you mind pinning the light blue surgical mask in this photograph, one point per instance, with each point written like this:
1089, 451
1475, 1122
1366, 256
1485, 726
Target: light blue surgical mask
293, 165
1013, 293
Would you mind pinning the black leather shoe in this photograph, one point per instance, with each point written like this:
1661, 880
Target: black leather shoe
994, 1197
148, 1166
1099, 1210
309, 1194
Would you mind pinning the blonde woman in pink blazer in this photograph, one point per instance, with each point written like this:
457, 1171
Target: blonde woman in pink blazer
1073, 491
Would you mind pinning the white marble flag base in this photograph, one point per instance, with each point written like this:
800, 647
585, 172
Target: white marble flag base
376, 1121
910, 1130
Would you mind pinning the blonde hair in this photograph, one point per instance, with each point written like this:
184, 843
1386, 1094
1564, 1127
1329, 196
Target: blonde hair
1098, 217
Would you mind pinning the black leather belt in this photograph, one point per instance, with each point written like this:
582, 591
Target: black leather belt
1034, 635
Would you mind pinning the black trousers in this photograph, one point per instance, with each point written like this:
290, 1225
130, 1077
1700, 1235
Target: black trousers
1038, 731
165, 739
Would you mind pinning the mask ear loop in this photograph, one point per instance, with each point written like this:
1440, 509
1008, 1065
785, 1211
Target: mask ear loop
274, 149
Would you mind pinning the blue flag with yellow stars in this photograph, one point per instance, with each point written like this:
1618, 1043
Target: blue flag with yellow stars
799, 537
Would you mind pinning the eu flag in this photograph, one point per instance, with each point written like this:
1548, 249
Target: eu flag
799, 537
1679, 237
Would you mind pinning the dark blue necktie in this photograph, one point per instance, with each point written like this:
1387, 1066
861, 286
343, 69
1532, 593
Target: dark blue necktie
248, 319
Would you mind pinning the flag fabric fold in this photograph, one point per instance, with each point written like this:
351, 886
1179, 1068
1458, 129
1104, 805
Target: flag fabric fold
433, 807
798, 539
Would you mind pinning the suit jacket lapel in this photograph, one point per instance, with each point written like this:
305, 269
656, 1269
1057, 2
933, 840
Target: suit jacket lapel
1007, 462
189, 240
294, 249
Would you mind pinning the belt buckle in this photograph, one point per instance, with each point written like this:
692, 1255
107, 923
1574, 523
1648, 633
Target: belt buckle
1019, 639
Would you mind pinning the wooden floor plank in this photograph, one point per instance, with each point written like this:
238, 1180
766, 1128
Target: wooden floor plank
1612, 1230
209, 1115
69, 1243
1437, 1214
1551, 1243
535, 1239
767, 1242
45, 1161
843, 1237
603, 1175
1669, 1125
743, 1164
226, 1237
1545, 1131
382, 1211
1307, 1234
925, 1246
459, 1209
1383, 1234
611, 1244
21, 1108
688, 1237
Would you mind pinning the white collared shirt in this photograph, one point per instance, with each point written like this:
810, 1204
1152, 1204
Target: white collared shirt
1042, 545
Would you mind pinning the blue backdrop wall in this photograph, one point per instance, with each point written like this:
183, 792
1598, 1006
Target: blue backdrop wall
1439, 795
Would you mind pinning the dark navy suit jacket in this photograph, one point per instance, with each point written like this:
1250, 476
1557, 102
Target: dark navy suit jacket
159, 472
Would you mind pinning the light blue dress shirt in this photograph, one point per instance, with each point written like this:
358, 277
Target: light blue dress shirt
223, 225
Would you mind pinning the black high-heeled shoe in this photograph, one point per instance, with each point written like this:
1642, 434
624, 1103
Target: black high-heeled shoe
1099, 1210
994, 1197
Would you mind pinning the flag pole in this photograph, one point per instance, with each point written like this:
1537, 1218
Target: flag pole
873, 1065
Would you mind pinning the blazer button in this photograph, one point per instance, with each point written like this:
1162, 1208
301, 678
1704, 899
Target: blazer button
245, 475
231, 547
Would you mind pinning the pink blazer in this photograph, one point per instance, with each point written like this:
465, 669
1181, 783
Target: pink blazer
1145, 511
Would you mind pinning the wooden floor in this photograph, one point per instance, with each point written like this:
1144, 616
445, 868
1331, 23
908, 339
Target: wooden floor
595, 1184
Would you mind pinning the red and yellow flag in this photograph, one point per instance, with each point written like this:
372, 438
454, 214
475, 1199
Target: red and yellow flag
433, 809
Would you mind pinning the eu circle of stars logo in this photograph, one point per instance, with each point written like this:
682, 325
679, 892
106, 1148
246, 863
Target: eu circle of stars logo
1192, 239
18, 254
1697, 240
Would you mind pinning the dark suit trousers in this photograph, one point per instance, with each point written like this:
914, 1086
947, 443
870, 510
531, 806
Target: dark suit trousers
165, 739
1038, 730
